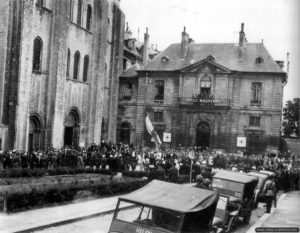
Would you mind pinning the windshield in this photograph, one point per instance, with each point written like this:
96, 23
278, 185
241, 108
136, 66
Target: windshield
151, 217
222, 203
228, 187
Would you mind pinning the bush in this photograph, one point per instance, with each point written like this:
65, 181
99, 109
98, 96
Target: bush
103, 171
157, 175
184, 169
182, 179
136, 174
39, 172
19, 201
220, 162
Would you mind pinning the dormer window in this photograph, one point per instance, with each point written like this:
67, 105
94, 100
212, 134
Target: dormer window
164, 59
259, 60
210, 58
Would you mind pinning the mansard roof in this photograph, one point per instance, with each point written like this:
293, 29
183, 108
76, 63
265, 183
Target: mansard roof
226, 55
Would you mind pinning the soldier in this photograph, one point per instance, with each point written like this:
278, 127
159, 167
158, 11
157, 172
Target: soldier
173, 174
269, 191
199, 179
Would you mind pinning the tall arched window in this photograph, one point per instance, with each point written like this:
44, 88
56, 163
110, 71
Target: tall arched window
68, 62
37, 54
71, 10
107, 30
79, 9
89, 18
76, 65
85, 68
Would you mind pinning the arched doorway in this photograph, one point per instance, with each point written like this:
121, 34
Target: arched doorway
203, 134
35, 134
125, 132
72, 129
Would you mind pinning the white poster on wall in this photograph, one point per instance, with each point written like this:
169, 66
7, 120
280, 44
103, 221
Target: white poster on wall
167, 137
241, 141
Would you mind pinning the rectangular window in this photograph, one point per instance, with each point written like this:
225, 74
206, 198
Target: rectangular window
256, 90
126, 91
160, 88
158, 116
254, 121
0, 144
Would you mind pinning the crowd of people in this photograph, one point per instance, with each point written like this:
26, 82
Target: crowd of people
123, 157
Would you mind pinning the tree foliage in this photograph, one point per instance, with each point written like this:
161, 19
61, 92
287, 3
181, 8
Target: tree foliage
291, 118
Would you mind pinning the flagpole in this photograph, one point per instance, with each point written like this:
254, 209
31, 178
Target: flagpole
191, 171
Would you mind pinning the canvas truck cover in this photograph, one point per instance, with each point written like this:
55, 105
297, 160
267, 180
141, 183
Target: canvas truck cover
176, 197
235, 176
258, 174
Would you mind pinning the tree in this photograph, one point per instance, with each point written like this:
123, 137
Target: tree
291, 118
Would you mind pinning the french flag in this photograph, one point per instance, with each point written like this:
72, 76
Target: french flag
152, 132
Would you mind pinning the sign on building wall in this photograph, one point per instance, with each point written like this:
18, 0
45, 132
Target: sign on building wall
241, 141
167, 137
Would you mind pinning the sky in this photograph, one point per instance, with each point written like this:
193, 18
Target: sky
276, 22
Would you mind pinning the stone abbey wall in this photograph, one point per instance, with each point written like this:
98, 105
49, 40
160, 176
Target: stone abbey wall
50, 94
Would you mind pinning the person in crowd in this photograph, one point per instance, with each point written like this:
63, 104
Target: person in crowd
120, 157
207, 184
173, 174
199, 179
269, 192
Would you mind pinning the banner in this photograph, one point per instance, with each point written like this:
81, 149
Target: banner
152, 132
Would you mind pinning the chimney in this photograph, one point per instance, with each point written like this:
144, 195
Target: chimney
242, 39
184, 44
145, 49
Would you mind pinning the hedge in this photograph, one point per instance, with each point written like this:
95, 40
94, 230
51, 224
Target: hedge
182, 179
44, 195
39, 172
136, 174
158, 175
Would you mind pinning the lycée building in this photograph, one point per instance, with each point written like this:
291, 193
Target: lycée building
206, 95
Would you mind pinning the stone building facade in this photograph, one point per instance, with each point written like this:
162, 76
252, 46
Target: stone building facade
136, 54
209, 95
59, 71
